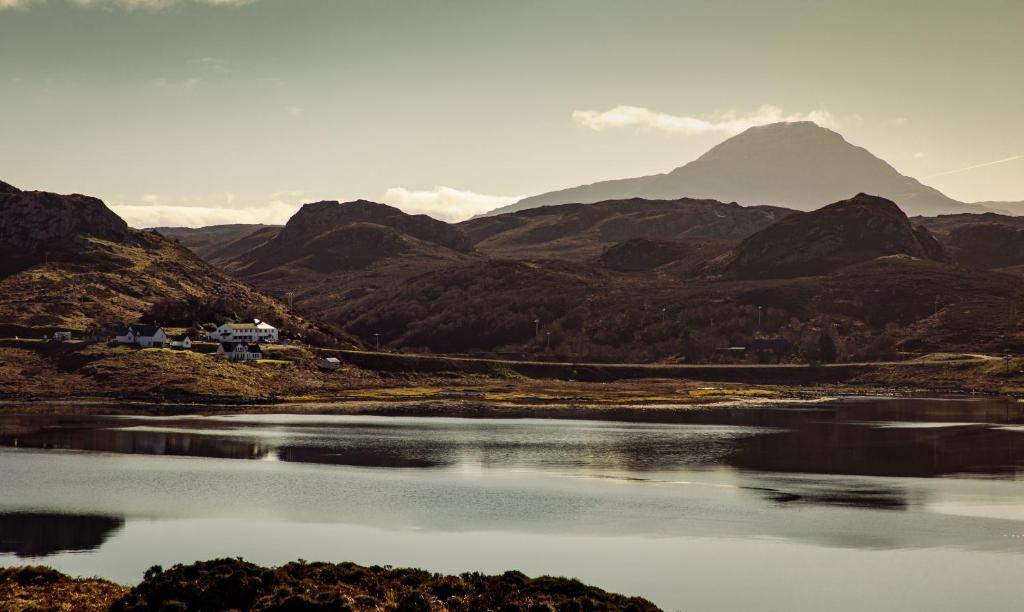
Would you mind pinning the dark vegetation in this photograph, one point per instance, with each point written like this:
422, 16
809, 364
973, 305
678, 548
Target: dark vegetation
230, 584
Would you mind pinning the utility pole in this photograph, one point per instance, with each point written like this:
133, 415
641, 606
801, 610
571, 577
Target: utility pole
758, 319
549, 341
536, 328
377, 338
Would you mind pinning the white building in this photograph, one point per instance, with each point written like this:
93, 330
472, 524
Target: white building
239, 351
61, 336
146, 336
257, 331
183, 342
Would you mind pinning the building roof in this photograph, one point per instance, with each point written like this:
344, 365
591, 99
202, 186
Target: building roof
251, 347
147, 331
260, 325
181, 337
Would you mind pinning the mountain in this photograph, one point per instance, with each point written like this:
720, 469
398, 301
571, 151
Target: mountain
987, 240
584, 231
795, 165
208, 241
838, 235
69, 262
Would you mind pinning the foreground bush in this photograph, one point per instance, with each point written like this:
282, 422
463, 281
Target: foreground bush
233, 584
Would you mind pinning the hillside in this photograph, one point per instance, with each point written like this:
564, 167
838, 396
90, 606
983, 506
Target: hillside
796, 165
578, 311
840, 234
207, 242
71, 263
584, 231
330, 253
987, 240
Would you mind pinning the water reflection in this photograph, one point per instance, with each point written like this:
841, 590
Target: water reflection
883, 450
34, 534
919, 438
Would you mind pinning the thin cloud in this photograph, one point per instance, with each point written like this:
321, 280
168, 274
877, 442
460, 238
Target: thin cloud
445, 203
729, 122
976, 166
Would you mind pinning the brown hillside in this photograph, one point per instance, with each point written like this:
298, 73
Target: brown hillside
207, 242
852, 231
983, 241
584, 231
79, 266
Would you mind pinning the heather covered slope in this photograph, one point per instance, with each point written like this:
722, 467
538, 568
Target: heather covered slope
584, 231
591, 312
327, 236
73, 264
852, 231
987, 240
796, 165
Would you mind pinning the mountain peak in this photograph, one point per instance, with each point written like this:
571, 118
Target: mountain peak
797, 164
8, 188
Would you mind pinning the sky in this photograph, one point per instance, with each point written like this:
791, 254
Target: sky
194, 112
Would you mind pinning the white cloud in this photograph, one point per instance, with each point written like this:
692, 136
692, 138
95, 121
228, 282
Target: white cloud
294, 111
730, 122
919, 155
445, 203
158, 210
895, 122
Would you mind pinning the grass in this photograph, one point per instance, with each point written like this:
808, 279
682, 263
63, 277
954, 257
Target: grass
274, 362
394, 392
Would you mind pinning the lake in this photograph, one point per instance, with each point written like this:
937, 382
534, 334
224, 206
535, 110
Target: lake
884, 504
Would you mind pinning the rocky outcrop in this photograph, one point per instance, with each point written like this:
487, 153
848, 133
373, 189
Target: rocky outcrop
31, 221
852, 231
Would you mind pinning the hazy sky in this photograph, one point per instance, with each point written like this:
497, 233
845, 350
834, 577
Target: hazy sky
206, 111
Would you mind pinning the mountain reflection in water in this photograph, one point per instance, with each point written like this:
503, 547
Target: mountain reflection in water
916, 438
36, 534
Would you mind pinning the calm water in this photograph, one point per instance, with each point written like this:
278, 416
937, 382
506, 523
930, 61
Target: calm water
882, 504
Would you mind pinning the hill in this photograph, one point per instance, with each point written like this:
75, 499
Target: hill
584, 231
796, 165
986, 240
207, 242
330, 253
840, 234
71, 263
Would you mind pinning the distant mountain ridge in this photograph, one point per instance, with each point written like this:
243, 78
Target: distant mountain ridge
794, 165
584, 231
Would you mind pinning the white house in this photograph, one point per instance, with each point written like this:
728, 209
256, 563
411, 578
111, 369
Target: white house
257, 331
239, 351
183, 342
146, 336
